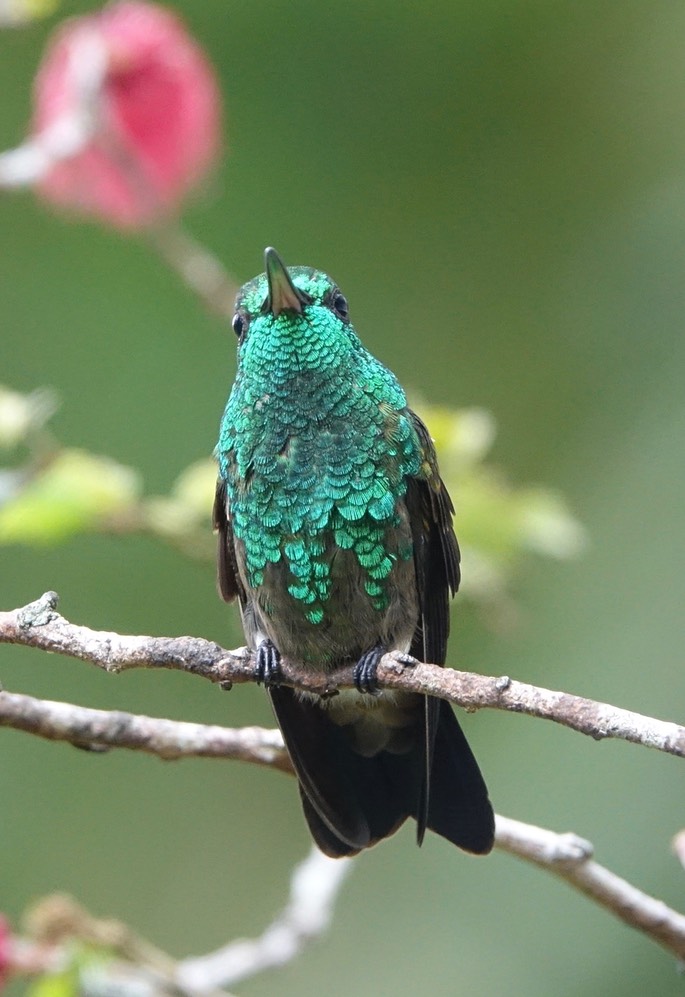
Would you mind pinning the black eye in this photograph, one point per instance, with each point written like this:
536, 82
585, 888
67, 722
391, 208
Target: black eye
340, 305
239, 325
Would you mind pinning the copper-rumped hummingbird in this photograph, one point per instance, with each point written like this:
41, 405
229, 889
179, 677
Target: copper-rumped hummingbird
335, 534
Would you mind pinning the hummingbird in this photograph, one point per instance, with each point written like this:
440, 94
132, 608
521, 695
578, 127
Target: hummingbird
335, 535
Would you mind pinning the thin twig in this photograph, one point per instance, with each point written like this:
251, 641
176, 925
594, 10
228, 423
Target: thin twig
570, 858
199, 269
143, 969
100, 730
314, 888
133, 966
39, 625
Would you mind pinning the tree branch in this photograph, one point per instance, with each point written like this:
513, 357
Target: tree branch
567, 856
39, 625
314, 888
100, 730
315, 885
570, 858
136, 968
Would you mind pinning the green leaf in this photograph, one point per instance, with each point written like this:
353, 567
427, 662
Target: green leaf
15, 13
497, 523
63, 984
75, 493
188, 506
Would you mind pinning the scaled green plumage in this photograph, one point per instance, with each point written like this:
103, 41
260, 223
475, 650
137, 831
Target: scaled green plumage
316, 447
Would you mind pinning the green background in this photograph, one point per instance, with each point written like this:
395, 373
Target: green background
499, 188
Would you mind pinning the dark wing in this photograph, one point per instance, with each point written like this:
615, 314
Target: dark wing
227, 571
436, 552
454, 799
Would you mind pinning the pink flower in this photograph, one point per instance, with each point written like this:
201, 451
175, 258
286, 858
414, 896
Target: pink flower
5, 950
139, 104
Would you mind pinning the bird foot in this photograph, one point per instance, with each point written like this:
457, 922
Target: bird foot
365, 670
268, 664
404, 659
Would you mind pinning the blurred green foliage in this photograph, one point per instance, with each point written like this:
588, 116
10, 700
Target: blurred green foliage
500, 191
17, 13
66, 981
75, 493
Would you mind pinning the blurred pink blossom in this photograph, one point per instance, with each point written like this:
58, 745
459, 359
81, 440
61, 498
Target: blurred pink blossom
5, 950
140, 104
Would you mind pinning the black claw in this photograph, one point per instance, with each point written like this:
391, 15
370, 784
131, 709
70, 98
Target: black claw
365, 670
268, 664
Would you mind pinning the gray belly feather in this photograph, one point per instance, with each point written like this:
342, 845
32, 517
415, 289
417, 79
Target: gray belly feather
351, 626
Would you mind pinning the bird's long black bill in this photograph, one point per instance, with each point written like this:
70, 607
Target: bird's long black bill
283, 295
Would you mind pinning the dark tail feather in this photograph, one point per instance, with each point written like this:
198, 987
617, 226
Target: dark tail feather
350, 802
326, 839
458, 805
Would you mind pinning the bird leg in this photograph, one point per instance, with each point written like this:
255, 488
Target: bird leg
268, 664
365, 670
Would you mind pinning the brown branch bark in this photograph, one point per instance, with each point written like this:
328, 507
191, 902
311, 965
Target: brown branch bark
100, 730
570, 858
40, 625
567, 856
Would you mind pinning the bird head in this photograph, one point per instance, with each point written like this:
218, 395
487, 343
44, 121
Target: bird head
292, 311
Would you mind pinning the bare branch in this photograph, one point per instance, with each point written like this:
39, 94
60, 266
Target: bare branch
314, 888
133, 967
678, 847
100, 730
199, 269
570, 858
140, 968
39, 625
